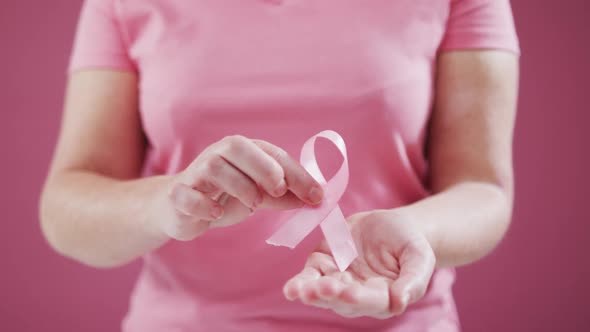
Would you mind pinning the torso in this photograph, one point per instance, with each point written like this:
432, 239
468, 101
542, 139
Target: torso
281, 72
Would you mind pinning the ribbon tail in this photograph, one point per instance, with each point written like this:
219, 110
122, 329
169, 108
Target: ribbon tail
339, 239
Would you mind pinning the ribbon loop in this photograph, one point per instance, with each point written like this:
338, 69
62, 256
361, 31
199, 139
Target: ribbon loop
328, 214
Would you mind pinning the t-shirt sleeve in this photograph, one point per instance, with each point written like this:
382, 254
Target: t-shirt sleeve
99, 40
480, 24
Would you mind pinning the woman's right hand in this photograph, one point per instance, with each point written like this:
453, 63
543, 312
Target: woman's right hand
227, 182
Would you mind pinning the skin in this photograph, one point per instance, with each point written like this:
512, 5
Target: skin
470, 153
92, 195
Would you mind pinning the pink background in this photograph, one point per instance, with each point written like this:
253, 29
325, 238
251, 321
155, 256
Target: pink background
537, 280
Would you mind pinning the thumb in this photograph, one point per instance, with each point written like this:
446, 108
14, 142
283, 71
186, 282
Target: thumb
286, 202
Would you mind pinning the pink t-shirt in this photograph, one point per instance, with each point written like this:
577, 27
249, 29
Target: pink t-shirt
282, 71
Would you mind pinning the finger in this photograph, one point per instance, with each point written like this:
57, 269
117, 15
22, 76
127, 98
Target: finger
348, 308
318, 264
286, 202
250, 159
185, 228
366, 298
345, 277
308, 293
321, 292
347, 312
329, 288
299, 181
294, 287
417, 265
221, 198
219, 173
323, 262
193, 203
380, 260
235, 212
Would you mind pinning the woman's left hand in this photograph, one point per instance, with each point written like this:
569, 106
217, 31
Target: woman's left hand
393, 269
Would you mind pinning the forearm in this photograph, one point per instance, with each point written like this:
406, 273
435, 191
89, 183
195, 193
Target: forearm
101, 221
463, 222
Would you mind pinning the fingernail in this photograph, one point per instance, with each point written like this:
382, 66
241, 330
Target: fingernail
223, 199
315, 195
217, 212
281, 189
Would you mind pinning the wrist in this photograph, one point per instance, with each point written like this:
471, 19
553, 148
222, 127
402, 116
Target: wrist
413, 215
159, 209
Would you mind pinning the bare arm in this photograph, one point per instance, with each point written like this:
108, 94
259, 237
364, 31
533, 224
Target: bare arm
471, 176
91, 210
94, 208
470, 152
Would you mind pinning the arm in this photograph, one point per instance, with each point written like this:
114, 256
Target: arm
470, 152
91, 210
95, 210
471, 176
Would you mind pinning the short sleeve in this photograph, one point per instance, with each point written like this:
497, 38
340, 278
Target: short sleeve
99, 40
480, 24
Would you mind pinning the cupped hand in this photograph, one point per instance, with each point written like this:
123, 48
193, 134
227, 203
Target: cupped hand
393, 269
227, 182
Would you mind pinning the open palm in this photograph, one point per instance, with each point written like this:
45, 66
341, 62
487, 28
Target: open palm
393, 270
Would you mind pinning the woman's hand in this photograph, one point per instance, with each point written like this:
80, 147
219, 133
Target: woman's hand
227, 182
393, 269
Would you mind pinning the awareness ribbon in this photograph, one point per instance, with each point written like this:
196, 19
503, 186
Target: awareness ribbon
328, 214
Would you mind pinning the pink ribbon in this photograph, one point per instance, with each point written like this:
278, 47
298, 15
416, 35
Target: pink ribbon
328, 214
